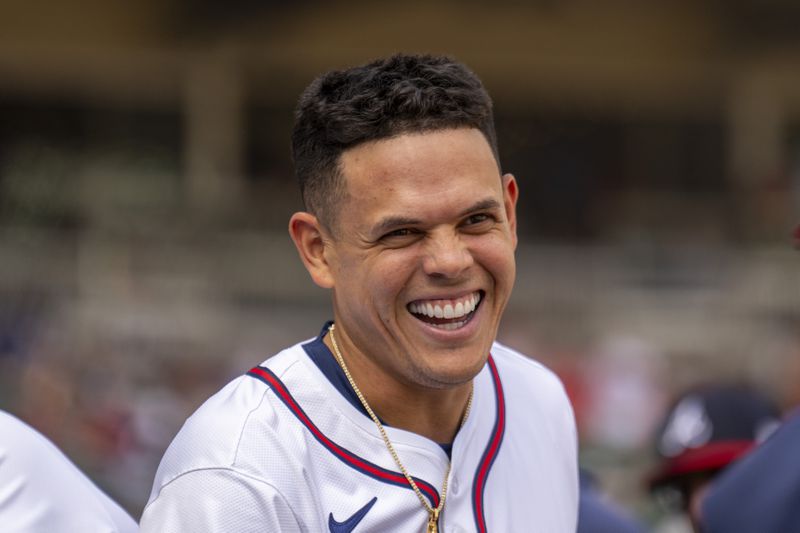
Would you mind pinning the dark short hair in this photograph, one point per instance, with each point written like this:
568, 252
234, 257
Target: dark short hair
380, 100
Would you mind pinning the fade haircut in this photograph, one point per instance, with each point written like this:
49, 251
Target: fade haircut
380, 100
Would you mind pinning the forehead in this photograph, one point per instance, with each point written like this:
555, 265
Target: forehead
438, 169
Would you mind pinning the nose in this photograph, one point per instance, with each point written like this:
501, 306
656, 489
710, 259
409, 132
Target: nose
446, 255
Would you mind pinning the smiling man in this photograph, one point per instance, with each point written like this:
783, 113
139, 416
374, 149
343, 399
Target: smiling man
404, 414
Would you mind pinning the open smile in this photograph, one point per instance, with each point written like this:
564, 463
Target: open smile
447, 314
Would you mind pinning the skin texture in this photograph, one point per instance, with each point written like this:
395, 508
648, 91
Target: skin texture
426, 216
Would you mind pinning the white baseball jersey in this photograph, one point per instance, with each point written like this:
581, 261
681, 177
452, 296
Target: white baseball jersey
287, 448
41, 491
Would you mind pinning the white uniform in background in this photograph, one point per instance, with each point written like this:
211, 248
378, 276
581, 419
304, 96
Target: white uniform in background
283, 449
41, 491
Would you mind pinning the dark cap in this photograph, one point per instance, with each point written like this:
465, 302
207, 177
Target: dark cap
709, 427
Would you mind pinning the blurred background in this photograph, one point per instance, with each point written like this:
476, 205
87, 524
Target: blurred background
146, 185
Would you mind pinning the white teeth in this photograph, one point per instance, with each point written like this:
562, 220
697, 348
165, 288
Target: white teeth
447, 311
449, 326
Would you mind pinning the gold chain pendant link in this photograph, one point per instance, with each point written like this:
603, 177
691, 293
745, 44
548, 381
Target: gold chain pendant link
433, 522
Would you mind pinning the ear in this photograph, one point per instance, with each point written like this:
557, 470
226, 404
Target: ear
309, 238
510, 196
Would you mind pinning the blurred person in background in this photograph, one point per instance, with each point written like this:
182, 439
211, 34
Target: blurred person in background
707, 429
761, 493
42, 491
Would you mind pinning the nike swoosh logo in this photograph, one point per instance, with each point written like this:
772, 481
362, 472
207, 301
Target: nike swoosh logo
350, 524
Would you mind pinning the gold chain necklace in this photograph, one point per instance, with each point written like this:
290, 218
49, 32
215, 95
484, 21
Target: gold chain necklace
433, 514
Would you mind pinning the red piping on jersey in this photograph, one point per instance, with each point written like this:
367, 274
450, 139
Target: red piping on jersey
490, 454
346, 456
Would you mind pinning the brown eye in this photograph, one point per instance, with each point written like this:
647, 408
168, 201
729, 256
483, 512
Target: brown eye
478, 223
403, 232
400, 237
477, 219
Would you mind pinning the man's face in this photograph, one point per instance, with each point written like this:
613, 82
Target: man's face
421, 261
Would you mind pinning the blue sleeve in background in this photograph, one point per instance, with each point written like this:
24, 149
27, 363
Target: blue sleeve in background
596, 514
760, 493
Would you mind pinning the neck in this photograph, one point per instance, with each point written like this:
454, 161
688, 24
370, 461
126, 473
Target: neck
433, 413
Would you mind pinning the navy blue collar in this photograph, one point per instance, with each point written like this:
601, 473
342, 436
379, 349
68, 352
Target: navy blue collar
318, 351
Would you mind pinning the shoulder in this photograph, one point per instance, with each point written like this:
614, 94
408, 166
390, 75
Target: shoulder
251, 505
534, 396
43, 489
25, 451
773, 473
519, 370
244, 447
213, 436
19, 441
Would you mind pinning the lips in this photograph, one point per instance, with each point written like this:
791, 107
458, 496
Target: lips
447, 314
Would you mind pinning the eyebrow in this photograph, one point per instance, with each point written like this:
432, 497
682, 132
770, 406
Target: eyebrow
391, 222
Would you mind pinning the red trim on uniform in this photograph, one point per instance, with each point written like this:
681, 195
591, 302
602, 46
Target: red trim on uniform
348, 457
492, 449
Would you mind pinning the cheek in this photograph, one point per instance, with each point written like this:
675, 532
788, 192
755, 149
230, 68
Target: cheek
391, 276
388, 281
379, 282
497, 257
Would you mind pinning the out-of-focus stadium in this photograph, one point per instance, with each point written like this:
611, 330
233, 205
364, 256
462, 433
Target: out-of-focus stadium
146, 185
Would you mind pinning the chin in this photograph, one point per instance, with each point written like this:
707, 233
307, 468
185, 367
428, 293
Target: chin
456, 374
